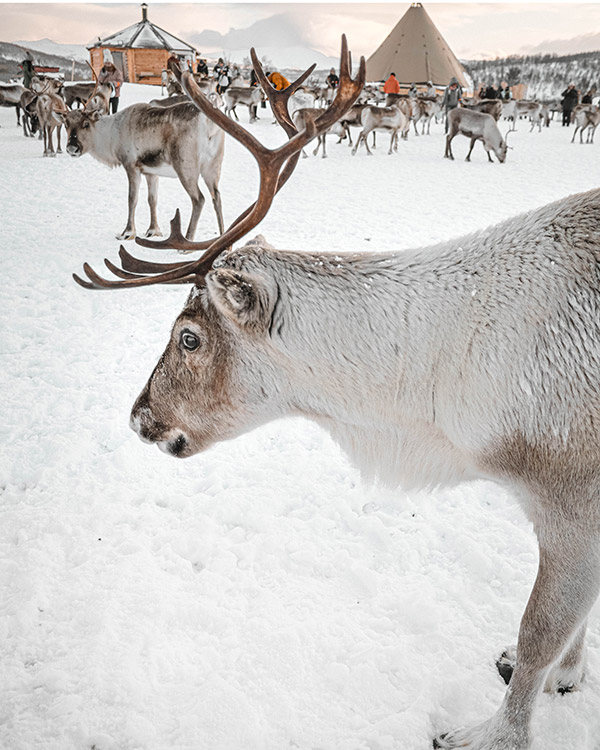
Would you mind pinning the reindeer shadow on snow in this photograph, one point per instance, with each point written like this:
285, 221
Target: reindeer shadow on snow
501, 385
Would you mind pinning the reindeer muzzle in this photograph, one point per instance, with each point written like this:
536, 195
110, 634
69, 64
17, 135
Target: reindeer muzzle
74, 147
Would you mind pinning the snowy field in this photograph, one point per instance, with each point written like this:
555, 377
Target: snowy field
258, 596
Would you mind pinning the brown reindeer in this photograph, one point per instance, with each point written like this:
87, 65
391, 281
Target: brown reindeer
50, 110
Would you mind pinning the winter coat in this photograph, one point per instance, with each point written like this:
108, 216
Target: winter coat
333, 81
587, 99
279, 82
451, 98
491, 93
391, 86
111, 75
570, 99
28, 73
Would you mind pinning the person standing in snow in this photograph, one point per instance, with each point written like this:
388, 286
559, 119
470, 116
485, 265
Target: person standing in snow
109, 73
28, 70
570, 99
391, 86
452, 98
412, 91
431, 92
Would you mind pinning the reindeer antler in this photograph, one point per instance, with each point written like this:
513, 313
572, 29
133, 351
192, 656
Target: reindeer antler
275, 167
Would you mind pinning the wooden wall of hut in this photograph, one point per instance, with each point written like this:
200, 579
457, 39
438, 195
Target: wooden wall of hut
137, 65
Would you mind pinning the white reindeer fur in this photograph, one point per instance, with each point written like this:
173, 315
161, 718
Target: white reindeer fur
479, 357
424, 358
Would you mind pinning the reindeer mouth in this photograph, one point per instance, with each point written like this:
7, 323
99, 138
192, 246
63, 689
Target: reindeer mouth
176, 447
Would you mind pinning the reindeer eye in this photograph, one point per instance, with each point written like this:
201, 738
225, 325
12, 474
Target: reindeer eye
85, 125
189, 341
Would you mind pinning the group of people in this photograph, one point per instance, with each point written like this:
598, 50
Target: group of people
491, 92
451, 99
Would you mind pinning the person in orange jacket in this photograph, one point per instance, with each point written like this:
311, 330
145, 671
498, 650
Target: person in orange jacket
391, 86
278, 81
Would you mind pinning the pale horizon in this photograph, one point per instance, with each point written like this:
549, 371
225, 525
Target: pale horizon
472, 30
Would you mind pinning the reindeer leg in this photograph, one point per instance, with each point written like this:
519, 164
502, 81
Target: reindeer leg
566, 587
152, 182
449, 154
471, 149
134, 177
58, 148
51, 151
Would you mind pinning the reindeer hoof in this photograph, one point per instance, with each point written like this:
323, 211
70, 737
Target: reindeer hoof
52, 154
153, 232
126, 235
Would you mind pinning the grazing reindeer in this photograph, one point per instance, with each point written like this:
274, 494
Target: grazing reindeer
250, 97
391, 119
478, 127
474, 358
50, 111
176, 141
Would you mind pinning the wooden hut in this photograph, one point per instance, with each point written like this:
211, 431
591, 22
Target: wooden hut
140, 51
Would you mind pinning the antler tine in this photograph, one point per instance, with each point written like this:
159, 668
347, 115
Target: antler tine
279, 99
97, 282
275, 166
130, 263
176, 239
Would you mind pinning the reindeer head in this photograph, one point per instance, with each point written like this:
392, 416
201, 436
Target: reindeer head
79, 125
200, 391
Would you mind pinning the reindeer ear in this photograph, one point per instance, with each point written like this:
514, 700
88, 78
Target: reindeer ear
246, 299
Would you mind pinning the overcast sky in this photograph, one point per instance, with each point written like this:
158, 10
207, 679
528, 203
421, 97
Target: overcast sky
471, 29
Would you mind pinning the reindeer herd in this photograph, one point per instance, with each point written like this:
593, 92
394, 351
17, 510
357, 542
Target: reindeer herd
473, 359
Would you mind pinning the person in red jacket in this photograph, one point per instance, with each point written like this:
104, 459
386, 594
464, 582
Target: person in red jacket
391, 86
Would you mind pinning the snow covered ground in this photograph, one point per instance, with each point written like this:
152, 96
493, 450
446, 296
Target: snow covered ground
257, 596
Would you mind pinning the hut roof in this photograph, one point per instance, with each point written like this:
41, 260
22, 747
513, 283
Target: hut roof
144, 35
416, 52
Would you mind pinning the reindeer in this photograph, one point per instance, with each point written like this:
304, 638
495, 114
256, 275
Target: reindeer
476, 358
250, 97
78, 92
100, 98
300, 118
478, 127
533, 110
28, 104
176, 141
493, 107
428, 109
584, 118
10, 96
391, 119
50, 111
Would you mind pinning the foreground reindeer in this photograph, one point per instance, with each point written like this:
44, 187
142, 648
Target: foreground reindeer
176, 141
475, 358
477, 126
